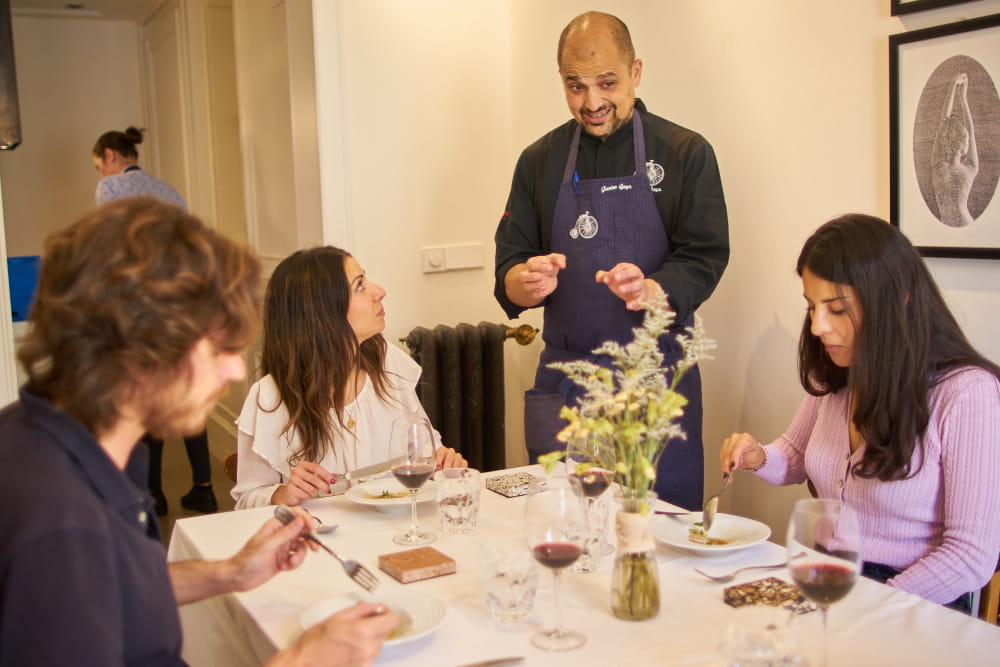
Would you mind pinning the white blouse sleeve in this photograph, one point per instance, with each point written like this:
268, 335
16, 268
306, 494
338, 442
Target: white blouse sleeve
262, 461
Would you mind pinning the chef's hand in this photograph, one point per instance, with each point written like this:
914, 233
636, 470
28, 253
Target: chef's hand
627, 282
308, 480
527, 284
447, 457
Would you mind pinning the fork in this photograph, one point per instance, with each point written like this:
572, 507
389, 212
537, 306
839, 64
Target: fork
361, 575
724, 578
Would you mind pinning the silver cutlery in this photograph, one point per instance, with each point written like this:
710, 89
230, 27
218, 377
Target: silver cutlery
355, 570
712, 505
495, 662
373, 469
666, 513
341, 485
724, 578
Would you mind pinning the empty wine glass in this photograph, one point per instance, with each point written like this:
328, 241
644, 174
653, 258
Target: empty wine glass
824, 552
416, 438
555, 526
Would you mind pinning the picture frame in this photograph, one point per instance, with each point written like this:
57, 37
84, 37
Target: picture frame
897, 7
944, 117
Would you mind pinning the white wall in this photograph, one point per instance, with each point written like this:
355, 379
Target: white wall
76, 80
416, 150
794, 97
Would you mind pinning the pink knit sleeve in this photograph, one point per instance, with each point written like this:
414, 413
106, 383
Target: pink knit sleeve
966, 417
786, 455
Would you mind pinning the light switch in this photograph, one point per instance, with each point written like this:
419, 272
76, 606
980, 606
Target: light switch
432, 260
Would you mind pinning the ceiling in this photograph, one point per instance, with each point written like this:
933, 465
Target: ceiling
124, 10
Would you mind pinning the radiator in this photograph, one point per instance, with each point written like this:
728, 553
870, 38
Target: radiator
462, 386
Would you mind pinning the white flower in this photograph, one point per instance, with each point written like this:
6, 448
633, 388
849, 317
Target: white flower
630, 407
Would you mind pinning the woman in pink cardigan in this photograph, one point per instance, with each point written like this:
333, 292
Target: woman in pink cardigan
902, 420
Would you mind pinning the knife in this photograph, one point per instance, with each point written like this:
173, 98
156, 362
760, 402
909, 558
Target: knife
341, 485
373, 469
495, 662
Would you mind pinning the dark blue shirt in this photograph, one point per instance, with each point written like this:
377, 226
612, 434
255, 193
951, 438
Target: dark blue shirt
83, 574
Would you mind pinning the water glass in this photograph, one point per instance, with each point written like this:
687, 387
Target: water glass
458, 493
761, 636
511, 577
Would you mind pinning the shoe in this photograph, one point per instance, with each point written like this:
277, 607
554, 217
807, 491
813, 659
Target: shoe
200, 499
160, 502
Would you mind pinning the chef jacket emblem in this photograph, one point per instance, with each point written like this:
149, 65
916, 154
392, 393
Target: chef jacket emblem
654, 173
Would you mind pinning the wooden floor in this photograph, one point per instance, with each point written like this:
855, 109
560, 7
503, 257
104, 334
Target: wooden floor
177, 482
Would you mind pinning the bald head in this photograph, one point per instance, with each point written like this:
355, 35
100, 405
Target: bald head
593, 26
599, 73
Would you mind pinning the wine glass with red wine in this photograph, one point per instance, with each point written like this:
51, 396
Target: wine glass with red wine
824, 552
585, 462
555, 526
416, 438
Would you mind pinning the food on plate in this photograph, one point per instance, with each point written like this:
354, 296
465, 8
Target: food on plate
386, 494
696, 534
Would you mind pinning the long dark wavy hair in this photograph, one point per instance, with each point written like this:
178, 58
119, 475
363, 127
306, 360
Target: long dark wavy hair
123, 296
310, 349
906, 343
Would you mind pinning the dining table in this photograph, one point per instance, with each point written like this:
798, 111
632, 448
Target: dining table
874, 624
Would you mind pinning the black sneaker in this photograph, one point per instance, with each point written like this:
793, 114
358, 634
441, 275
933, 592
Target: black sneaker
200, 499
160, 502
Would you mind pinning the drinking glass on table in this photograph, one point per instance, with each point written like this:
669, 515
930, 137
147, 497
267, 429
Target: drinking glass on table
584, 461
555, 526
415, 437
824, 552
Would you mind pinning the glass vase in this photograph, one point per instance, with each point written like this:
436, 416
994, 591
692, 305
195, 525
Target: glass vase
635, 580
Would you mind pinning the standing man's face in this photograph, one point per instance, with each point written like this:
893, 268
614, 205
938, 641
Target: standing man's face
599, 83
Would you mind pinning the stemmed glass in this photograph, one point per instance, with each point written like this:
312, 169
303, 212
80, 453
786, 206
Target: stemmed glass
584, 462
824, 552
555, 526
416, 438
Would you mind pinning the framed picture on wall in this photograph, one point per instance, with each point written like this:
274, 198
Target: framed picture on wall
897, 7
944, 118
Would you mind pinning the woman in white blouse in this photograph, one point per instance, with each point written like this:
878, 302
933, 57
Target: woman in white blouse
331, 385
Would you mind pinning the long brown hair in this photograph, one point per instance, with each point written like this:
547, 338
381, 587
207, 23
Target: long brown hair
123, 295
907, 342
310, 349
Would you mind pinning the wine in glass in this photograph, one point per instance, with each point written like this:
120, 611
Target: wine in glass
555, 526
584, 462
416, 438
824, 552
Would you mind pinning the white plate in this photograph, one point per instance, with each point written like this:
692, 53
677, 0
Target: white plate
737, 531
369, 493
419, 615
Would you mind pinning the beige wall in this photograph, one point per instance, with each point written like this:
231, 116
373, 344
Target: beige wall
76, 80
792, 95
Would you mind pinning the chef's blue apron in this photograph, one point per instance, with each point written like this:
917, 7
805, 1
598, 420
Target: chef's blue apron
597, 224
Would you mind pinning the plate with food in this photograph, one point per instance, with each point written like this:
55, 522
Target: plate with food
419, 614
729, 533
385, 493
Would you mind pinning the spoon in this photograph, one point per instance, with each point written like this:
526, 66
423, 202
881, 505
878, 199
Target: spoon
712, 505
322, 528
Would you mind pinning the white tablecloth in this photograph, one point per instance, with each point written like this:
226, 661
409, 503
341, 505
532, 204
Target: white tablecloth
873, 625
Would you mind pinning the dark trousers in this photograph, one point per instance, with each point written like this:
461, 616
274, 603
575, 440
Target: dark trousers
197, 453
884, 573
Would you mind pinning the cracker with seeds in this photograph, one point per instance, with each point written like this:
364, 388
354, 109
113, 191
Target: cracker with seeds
512, 484
770, 591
